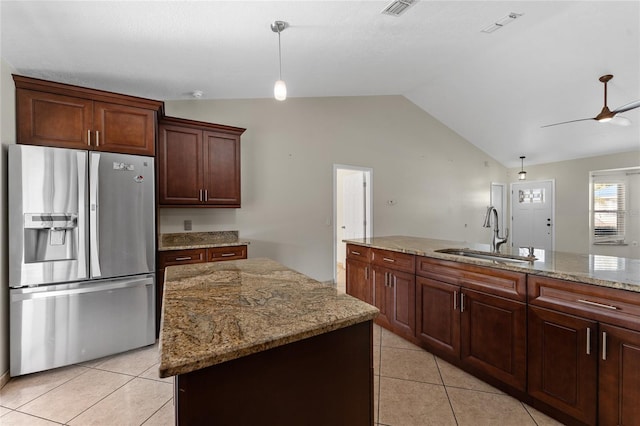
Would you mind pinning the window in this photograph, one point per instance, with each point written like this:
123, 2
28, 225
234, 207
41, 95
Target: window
609, 208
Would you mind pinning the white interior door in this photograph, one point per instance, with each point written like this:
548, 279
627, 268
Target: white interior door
354, 205
532, 214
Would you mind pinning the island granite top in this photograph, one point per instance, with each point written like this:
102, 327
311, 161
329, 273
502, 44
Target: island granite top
197, 240
220, 311
606, 271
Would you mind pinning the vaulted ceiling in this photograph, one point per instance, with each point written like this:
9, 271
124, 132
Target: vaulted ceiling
494, 89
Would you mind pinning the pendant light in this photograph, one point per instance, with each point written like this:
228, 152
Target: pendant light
522, 175
280, 88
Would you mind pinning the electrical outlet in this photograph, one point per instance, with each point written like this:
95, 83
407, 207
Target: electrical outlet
187, 225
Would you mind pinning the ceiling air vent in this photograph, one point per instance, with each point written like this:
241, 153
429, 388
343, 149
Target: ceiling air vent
398, 7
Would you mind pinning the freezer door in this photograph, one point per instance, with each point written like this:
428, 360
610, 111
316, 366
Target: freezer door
47, 215
121, 214
57, 325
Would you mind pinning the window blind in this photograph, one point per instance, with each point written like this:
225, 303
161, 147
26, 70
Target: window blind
609, 209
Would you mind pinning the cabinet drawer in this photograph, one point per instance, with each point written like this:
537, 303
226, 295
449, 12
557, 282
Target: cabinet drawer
618, 307
357, 252
216, 254
499, 282
182, 257
394, 260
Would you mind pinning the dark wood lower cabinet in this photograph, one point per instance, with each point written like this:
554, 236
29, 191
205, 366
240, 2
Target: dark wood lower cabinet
358, 276
493, 334
394, 294
323, 380
619, 376
438, 316
563, 362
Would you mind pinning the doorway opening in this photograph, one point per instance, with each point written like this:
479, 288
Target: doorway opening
352, 200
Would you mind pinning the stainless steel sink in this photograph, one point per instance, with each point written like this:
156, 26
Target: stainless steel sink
487, 255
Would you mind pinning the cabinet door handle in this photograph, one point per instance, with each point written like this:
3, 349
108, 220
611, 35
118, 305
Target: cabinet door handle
461, 302
395, 279
455, 300
89, 137
200, 195
357, 253
386, 259
183, 258
588, 341
227, 254
600, 305
366, 272
97, 138
386, 279
206, 195
604, 345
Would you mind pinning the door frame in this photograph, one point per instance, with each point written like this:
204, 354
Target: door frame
553, 208
337, 167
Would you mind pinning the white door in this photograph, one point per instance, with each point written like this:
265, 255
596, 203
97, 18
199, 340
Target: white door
532, 214
354, 205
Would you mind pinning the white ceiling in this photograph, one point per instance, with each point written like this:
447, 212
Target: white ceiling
495, 90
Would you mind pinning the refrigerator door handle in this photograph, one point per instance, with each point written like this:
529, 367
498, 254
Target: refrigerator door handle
93, 215
82, 215
17, 295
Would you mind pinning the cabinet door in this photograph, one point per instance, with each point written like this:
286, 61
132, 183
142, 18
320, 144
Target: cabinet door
53, 120
438, 316
358, 280
124, 129
493, 334
563, 362
180, 174
402, 303
221, 169
619, 386
381, 277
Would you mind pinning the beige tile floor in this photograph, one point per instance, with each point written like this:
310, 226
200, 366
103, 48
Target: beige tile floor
412, 387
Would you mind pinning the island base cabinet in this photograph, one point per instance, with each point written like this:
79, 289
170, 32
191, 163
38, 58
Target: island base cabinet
619, 385
438, 316
322, 380
493, 337
563, 363
359, 281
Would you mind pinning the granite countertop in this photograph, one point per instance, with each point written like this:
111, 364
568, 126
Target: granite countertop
196, 240
216, 312
606, 271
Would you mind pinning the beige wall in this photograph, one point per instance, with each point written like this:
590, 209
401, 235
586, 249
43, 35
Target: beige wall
7, 136
440, 181
572, 199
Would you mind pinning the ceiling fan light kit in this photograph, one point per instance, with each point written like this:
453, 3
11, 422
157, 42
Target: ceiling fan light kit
606, 115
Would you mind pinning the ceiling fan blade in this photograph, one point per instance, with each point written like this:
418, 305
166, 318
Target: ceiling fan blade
566, 122
627, 107
619, 120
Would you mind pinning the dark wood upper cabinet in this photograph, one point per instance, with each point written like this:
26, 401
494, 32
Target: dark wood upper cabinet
66, 116
198, 164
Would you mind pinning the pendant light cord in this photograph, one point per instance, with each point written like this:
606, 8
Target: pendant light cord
279, 53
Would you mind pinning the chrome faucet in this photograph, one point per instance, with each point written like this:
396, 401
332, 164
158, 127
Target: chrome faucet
496, 240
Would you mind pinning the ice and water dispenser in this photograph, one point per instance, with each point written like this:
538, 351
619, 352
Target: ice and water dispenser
50, 237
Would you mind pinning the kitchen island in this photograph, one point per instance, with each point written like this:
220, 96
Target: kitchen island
560, 331
253, 342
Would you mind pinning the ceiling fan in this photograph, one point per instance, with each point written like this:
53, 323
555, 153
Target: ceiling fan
606, 115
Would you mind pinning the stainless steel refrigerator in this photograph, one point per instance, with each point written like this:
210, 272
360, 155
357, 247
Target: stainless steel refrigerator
81, 255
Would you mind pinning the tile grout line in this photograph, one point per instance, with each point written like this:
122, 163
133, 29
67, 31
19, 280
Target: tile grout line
446, 392
101, 399
86, 370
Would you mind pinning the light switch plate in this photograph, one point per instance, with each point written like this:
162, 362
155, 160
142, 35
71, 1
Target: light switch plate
187, 225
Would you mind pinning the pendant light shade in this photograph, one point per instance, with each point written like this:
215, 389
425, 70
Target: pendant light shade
522, 175
280, 88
